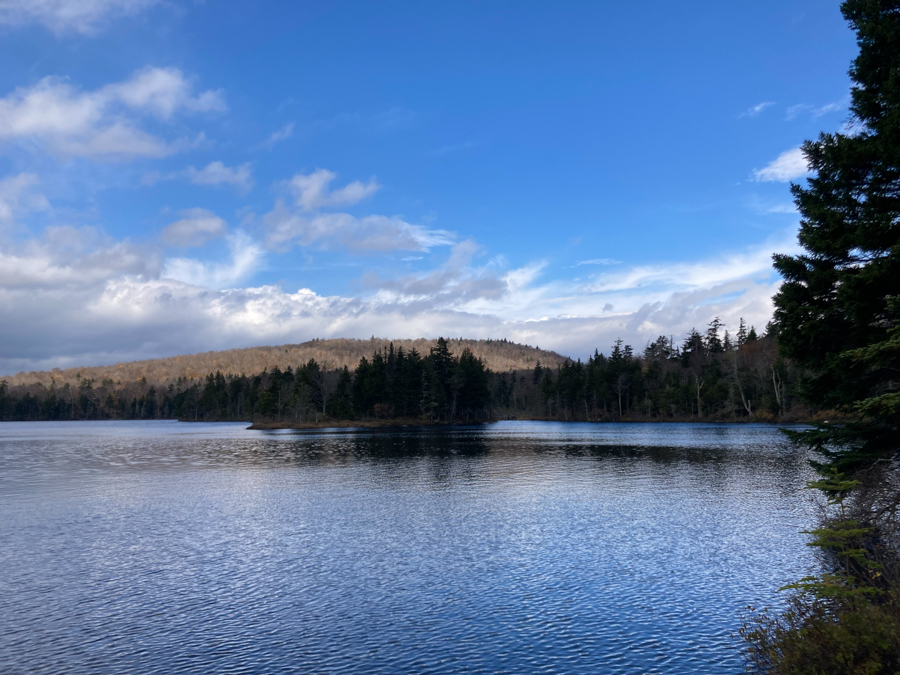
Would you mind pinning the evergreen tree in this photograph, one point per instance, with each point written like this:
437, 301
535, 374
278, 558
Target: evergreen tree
838, 315
837, 311
341, 406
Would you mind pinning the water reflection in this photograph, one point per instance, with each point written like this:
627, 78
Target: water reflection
514, 547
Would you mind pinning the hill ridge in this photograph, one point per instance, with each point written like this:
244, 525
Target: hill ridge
499, 355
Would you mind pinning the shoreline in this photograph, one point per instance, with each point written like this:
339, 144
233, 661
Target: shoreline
418, 422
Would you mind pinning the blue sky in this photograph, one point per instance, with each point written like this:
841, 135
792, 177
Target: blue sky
184, 176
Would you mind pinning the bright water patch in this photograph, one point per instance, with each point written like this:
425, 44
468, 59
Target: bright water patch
517, 547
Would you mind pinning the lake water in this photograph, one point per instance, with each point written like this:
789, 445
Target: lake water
517, 547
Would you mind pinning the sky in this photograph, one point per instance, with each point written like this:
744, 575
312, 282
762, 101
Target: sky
180, 176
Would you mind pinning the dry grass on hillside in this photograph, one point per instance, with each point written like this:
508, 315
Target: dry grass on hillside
499, 356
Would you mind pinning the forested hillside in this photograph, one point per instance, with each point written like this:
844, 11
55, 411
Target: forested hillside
710, 376
498, 355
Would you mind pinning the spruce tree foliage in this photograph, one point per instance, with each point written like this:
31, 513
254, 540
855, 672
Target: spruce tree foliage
838, 309
836, 316
705, 377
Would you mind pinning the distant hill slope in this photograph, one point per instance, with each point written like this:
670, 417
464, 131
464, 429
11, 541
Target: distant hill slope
499, 355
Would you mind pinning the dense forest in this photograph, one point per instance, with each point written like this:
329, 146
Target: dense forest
331, 354
711, 376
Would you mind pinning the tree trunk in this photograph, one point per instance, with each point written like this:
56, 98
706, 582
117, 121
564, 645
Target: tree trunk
699, 384
747, 404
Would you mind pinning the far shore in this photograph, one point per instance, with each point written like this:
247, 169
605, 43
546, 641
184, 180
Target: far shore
419, 422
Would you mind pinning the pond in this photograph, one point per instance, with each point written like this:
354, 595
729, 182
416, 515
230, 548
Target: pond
515, 547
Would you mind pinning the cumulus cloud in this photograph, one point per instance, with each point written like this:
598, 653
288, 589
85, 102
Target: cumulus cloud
787, 166
69, 16
104, 123
246, 259
67, 259
311, 190
18, 197
216, 173
196, 228
76, 298
163, 92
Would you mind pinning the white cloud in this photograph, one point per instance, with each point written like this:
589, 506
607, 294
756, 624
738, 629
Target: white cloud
129, 317
65, 16
451, 285
282, 134
163, 92
755, 110
118, 302
301, 223
246, 259
814, 111
599, 261
213, 174
17, 197
787, 166
197, 227
216, 173
311, 191
786, 207
68, 259
689, 276
103, 123
341, 230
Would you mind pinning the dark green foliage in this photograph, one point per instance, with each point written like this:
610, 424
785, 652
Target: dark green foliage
818, 638
837, 316
705, 378
837, 312
342, 405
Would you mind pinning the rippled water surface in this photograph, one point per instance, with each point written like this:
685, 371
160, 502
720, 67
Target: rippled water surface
516, 547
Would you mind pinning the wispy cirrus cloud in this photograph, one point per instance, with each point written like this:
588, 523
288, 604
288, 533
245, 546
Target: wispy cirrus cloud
789, 165
374, 233
451, 284
303, 223
105, 124
755, 110
816, 111
69, 16
278, 136
782, 207
599, 261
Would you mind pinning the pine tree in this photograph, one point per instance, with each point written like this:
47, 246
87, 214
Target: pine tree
837, 314
837, 311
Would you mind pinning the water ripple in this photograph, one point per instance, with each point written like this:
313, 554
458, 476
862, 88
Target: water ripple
518, 547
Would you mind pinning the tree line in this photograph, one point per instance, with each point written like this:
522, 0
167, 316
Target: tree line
712, 375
